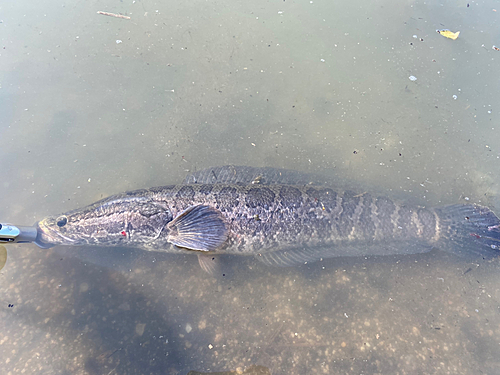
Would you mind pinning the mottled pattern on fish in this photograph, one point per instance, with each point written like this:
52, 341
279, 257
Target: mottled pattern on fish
271, 217
258, 218
292, 223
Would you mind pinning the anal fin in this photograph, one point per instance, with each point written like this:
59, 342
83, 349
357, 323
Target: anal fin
295, 256
291, 257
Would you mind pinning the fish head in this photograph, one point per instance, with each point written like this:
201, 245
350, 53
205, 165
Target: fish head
116, 221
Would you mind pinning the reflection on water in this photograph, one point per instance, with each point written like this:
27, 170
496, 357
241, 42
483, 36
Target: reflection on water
310, 86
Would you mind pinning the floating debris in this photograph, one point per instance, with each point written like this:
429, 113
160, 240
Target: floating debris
113, 15
412, 78
448, 34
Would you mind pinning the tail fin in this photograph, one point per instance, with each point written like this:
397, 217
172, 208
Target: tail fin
470, 231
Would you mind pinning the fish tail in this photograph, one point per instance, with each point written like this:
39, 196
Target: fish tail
468, 230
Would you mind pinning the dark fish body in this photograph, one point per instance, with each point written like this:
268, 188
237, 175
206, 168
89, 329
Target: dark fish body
282, 224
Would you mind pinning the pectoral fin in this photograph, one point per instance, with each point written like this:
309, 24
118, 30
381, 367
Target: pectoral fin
210, 263
198, 228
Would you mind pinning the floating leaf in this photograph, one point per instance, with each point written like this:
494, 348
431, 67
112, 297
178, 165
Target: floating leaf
448, 34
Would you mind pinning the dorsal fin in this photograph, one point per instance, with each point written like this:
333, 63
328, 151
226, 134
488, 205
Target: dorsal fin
243, 175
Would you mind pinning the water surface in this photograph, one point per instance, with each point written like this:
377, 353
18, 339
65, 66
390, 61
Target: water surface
92, 105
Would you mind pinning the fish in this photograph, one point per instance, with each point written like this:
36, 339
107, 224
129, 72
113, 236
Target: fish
279, 216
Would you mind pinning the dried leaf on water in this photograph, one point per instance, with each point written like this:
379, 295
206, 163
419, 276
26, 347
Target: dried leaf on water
448, 34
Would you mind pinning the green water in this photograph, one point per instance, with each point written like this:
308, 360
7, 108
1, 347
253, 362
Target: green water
92, 105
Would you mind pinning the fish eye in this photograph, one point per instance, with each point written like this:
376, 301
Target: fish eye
61, 221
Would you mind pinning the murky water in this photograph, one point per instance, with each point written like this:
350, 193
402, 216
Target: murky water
91, 105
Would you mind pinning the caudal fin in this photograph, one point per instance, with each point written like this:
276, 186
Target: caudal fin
470, 231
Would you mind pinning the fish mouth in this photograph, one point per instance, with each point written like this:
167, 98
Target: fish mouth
48, 237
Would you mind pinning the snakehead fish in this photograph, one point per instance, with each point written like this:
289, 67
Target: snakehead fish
280, 216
